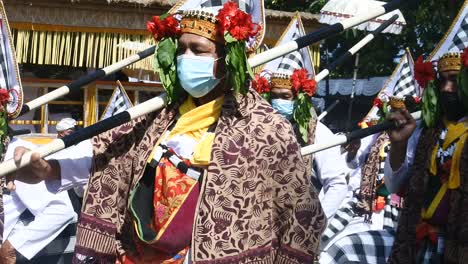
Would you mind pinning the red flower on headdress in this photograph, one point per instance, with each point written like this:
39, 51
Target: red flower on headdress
423, 72
417, 99
261, 84
300, 82
4, 96
464, 57
378, 103
172, 26
161, 28
238, 23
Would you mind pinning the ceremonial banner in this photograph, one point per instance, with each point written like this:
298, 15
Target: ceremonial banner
456, 38
9, 72
294, 60
118, 102
400, 84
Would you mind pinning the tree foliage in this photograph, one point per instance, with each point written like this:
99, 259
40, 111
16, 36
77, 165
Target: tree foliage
427, 22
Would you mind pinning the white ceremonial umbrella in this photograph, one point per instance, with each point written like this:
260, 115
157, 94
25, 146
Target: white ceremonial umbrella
338, 10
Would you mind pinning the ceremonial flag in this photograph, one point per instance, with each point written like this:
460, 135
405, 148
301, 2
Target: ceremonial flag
403, 84
456, 38
400, 84
295, 60
9, 72
118, 102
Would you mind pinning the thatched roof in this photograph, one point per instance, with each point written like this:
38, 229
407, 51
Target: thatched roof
269, 12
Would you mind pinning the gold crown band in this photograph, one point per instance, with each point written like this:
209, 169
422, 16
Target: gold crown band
397, 103
281, 82
449, 62
200, 23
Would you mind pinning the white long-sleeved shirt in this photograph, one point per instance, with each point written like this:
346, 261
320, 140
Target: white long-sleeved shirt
395, 179
75, 166
53, 212
330, 171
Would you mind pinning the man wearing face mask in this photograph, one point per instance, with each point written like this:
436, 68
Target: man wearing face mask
289, 90
216, 176
428, 162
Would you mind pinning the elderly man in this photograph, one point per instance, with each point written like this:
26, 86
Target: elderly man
429, 164
65, 127
216, 176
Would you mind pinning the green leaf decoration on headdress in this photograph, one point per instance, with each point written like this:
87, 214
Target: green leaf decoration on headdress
3, 128
302, 114
430, 105
238, 69
165, 64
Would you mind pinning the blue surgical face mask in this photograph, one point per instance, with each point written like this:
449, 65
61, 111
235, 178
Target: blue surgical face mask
284, 107
195, 74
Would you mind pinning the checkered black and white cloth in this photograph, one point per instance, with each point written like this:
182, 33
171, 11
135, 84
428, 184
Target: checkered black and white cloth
460, 40
372, 246
405, 86
118, 103
292, 61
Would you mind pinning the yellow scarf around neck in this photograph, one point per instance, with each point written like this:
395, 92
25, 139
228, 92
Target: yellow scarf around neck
455, 130
194, 122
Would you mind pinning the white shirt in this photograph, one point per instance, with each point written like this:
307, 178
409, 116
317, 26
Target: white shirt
75, 166
394, 179
330, 171
53, 212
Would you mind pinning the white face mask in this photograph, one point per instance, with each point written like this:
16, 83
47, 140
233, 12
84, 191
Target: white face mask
195, 74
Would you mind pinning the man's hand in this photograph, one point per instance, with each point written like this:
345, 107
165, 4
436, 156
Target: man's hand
7, 253
406, 126
399, 136
37, 171
352, 149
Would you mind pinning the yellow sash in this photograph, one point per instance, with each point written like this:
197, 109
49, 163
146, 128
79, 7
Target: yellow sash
194, 122
454, 131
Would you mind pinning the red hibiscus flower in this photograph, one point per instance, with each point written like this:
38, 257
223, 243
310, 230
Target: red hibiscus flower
309, 87
238, 23
301, 83
464, 57
172, 26
423, 72
167, 27
417, 99
4, 96
297, 78
378, 103
156, 27
261, 84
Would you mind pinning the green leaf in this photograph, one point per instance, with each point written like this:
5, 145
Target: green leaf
266, 96
228, 38
302, 115
165, 65
166, 52
236, 64
430, 105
